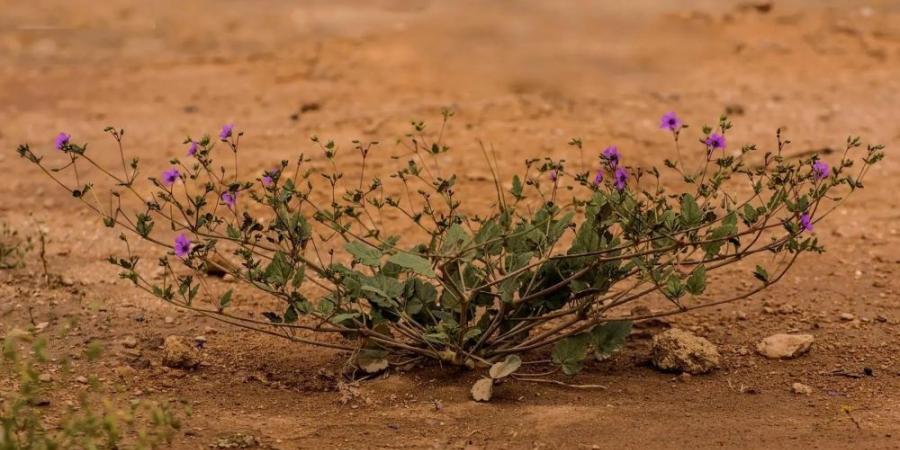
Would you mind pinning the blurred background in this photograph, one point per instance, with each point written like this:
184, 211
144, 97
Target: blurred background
524, 76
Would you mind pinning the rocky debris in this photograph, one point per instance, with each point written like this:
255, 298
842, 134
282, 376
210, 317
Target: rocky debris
847, 317
125, 372
81, 379
179, 354
129, 342
801, 389
45, 378
482, 390
169, 320
238, 440
785, 346
680, 351
130, 354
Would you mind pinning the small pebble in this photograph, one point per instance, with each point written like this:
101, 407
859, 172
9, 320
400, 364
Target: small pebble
801, 389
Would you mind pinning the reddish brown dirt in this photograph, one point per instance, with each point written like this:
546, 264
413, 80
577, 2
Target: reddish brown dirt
524, 77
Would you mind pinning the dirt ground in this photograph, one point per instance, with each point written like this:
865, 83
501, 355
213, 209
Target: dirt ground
524, 76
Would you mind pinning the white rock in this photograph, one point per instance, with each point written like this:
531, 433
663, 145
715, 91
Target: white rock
129, 342
785, 346
801, 389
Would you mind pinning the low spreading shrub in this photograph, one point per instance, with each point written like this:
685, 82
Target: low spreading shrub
563, 258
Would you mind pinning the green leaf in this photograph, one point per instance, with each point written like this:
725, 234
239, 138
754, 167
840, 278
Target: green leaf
225, 300
609, 337
233, 232
761, 274
690, 211
471, 333
382, 290
558, 227
278, 272
489, 232
516, 190
299, 276
413, 262
719, 236
455, 239
674, 287
144, 225
339, 319
506, 367
422, 294
290, 314
751, 215
571, 352
696, 283
508, 288
364, 253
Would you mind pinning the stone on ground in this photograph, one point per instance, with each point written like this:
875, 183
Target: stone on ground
179, 354
681, 351
785, 346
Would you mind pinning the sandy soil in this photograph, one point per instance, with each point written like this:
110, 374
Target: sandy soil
524, 76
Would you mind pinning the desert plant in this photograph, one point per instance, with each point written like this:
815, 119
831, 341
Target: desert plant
562, 259
96, 423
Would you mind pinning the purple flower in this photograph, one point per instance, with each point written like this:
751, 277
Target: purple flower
670, 121
62, 140
226, 131
182, 246
229, 198
554, 175
598, 178
805, 222
192, 149
611, 156
715, 141
170, 176
821, 170
621, 177
268, 178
